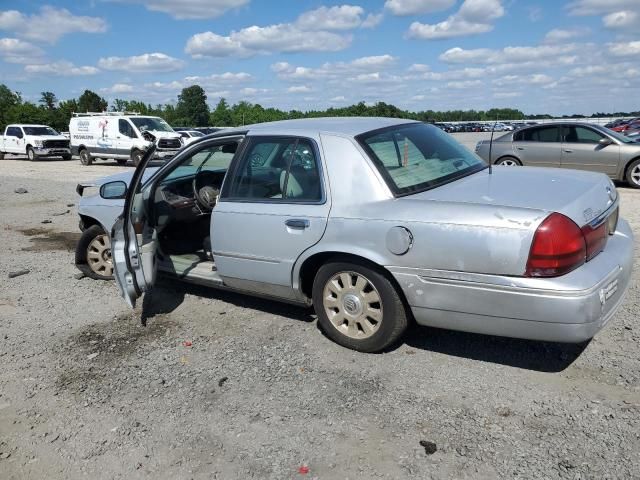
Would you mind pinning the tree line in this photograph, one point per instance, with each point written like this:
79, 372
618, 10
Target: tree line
192, 110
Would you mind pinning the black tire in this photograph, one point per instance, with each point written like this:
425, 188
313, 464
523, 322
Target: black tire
121, 161
507, 160
85, 157
633, 170
394, 316
136, 156
31, 154
82, 248
1, 155
66, 157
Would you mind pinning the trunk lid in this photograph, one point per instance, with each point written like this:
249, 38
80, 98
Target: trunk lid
581, 196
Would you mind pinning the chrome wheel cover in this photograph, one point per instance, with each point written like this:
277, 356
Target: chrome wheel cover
99, 256
635, 175
353, 305
508, 162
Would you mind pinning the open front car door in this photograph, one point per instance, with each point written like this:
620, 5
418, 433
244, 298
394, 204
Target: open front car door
134, 241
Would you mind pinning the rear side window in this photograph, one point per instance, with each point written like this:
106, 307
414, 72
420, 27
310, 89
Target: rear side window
539, 134
14, 132
277, 170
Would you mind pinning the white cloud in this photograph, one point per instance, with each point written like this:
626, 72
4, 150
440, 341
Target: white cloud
622, 20
118, 88
338, 99
274, 38
343, 17
534, 79
335, 70
299, 89
13, 50
464, 84
372, 20
417, 7
507, 94
191, 9
625, 49
148, 62
60, 68
50, 24
598, 7
474, 17
558, 35
550, 53
319, 30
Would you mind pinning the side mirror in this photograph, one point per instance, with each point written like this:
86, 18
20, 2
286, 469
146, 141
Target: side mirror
604, 141
113, 190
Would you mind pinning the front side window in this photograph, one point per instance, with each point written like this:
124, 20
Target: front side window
415, 157
581, 135
126, 129
277, 169
538, 134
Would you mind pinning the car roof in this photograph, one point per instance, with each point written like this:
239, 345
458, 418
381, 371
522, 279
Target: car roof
349, 126
26, 125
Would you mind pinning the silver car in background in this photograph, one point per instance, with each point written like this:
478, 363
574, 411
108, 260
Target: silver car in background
581, 146
375, 223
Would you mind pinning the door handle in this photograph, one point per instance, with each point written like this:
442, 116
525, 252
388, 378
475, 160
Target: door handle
566, 150
520, 148
297, 223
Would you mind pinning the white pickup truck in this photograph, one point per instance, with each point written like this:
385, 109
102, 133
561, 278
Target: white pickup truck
34, 141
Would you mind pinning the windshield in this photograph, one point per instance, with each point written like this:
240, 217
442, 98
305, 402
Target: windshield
616, 135
39, 131
195, 133
151, 123
415, 157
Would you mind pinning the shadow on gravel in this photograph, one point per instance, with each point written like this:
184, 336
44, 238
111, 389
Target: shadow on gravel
45, 239
168, 294
513, 352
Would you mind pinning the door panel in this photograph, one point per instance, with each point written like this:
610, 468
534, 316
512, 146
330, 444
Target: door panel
272, 209
538, 146
581, 151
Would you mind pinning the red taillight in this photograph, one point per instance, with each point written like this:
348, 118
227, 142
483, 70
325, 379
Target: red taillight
558, 247
595, 238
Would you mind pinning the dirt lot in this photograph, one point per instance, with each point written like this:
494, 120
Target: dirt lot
87, 391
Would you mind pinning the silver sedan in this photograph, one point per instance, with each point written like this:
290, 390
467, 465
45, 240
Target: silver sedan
581, 146
376, 223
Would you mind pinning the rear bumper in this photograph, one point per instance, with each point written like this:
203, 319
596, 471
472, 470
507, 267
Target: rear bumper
572, 308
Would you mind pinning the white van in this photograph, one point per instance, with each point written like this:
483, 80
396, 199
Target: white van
121, 136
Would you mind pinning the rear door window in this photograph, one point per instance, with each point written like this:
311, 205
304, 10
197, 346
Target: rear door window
539, 134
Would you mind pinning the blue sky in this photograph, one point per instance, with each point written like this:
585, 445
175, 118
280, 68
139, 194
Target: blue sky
580, 56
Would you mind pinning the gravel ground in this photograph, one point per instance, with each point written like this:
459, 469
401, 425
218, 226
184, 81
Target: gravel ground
203, 384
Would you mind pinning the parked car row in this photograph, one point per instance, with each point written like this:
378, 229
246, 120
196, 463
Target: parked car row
482, 126
580, 146
623, 125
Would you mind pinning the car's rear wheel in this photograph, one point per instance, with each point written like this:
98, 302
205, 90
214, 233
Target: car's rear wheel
358, 307
509, 162
31, 154
85, 157
633, 174
93, 254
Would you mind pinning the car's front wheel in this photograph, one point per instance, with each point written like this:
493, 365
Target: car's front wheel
509, 162
633, 174
358, 306
31, 154
85, 157
93, 254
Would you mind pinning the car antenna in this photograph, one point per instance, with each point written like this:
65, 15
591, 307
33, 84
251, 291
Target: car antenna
493, 129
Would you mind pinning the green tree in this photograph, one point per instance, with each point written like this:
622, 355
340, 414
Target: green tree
192, 108
91, 102
221, 115
8, 100
48, 100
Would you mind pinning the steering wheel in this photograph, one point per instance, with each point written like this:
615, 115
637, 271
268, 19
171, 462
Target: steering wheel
205, 189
